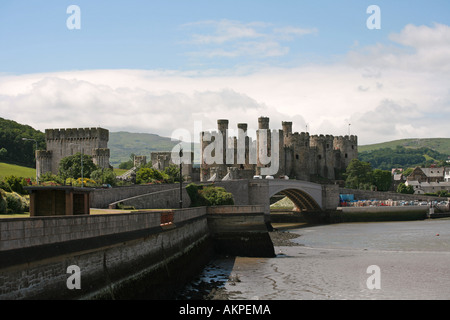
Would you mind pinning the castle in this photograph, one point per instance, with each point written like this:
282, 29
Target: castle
62, 143
223, 157
298, 155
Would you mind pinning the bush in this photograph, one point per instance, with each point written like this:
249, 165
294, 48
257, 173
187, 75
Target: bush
3, 204
77, 183
194, 194
50, 179
104, 176
16, 184
16, 203
208, 196
217, 196
150, 175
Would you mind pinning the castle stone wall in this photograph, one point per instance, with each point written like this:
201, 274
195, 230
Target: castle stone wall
301, 156
63, 143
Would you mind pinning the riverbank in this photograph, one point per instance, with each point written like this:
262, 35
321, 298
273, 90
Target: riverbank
330, 262
210, 284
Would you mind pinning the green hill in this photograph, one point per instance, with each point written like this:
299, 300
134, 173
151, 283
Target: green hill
7, 169
13, 149
442, 145
406, 153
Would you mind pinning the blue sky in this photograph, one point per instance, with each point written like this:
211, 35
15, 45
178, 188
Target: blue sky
207, 59
156, 34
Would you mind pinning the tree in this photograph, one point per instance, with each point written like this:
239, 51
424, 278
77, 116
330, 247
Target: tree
173, 171
21, 152
403, 188
70, 167
3, 153
148, 175
104, 176
382, 179
358, 173
127, 165
408, 171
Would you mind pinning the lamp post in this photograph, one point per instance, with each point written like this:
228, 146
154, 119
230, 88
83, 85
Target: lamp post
37, 176
181, 177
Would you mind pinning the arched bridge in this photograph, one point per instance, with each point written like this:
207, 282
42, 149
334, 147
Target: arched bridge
306, 196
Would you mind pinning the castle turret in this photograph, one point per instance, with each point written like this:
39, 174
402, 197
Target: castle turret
347, 146
43, 162
62, 143
287, 128
263, 123
298, 155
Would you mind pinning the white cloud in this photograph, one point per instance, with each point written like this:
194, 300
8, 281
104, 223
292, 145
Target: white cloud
231, 39
415, 48
385, 92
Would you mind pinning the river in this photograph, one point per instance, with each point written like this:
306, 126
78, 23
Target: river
348, 261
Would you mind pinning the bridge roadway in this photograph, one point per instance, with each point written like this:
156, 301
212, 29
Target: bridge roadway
307, 196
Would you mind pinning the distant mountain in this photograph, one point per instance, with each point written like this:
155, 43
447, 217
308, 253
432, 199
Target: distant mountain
123, 144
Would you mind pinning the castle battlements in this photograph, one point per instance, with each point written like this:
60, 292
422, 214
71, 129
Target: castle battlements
77, 134
301, 155
62, 143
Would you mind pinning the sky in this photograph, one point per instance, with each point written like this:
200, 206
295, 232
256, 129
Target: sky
330, 67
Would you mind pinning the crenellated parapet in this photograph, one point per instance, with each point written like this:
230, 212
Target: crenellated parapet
62, 143
300, 155
77, 134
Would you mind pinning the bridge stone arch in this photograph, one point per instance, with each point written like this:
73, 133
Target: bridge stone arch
306, 196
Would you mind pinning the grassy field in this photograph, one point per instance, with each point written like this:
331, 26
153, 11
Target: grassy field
18, 171
12, 169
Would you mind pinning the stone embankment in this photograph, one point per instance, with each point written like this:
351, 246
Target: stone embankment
136, 255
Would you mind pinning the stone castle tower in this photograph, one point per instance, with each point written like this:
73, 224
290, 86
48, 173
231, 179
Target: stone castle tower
300, 156
62, 143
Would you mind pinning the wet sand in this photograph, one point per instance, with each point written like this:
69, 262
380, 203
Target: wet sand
331, 263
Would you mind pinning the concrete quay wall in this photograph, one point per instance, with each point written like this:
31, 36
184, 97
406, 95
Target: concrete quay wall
240, 231
121, 256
